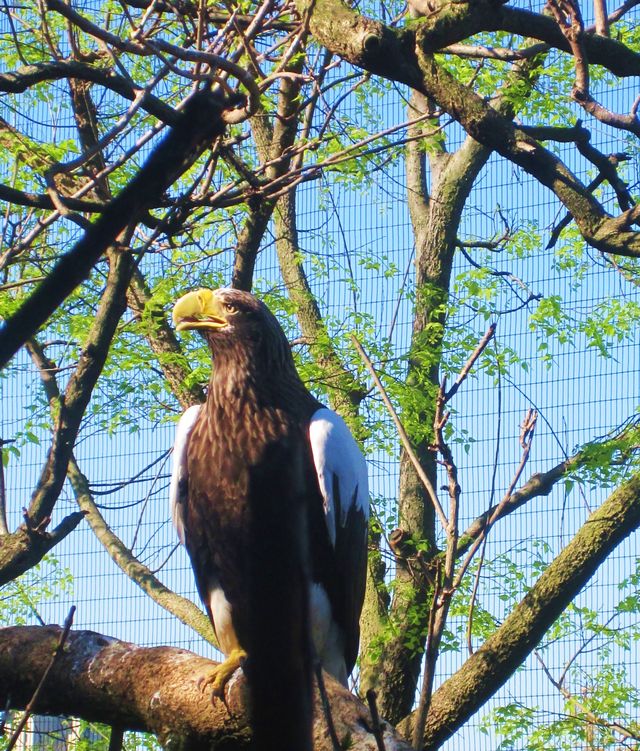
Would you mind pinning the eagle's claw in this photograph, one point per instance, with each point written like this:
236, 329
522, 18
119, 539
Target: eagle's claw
217, 678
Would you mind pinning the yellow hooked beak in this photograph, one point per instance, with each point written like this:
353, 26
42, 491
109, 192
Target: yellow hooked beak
200, 309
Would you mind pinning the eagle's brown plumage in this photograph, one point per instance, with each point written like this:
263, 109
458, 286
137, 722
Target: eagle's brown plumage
251, 470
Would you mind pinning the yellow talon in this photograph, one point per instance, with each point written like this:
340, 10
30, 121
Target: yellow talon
219, 676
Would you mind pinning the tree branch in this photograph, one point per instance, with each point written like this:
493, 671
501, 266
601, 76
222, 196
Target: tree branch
201, 122
156, 690
400, 56
20, 80
503, 652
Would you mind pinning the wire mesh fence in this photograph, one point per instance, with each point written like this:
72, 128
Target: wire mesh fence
358, 249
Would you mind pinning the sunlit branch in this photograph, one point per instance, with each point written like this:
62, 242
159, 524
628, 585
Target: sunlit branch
20, 80
155, 689
479, 51
471, 361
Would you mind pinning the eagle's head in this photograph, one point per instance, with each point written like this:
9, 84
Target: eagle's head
231, 317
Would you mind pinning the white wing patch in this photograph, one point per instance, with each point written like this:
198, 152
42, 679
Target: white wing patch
179, 475
339, 463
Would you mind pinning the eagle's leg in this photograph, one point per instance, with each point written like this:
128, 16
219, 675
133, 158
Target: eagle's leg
218, 677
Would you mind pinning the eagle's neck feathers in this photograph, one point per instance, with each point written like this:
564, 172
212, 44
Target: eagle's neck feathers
255, 397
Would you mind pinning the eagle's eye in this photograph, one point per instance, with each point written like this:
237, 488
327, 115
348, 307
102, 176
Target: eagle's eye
230, 307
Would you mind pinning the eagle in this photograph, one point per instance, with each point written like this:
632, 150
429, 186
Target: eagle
258, 450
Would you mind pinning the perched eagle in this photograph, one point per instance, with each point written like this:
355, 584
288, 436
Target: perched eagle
260, 447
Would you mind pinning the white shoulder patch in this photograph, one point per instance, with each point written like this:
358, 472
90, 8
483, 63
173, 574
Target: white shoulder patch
340, 466
179, 475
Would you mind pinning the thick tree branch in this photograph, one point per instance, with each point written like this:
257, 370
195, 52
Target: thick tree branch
371, 45
20, 80
499, 657
200, 124
156, 690
392, 54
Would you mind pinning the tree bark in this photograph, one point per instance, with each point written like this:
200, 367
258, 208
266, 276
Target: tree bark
155, 689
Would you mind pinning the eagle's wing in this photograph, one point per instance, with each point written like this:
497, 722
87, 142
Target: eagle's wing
342, 477
179, 487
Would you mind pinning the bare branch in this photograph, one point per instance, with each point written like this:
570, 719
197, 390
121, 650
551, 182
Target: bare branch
481, 346
402, 433
377, 725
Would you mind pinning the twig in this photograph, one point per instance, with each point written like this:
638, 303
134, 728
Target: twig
36, 694
527, 430
404, 438
326, 707
496, 457
482, 344
375, 717
431, 651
